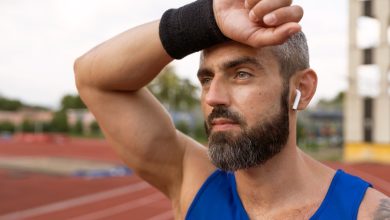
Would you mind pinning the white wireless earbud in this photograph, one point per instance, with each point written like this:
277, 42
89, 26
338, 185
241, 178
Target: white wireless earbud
297, 99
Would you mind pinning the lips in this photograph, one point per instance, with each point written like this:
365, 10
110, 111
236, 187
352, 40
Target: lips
222, 121
221, 118
223, 124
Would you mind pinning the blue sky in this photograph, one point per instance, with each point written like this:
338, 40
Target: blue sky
40, 40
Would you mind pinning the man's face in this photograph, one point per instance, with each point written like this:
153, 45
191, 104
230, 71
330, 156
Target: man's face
244, 104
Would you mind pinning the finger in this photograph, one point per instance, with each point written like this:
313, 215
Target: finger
273, 36
283, 15
258, 11
250, 3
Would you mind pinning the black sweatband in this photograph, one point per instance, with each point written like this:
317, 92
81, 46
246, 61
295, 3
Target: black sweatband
189, 29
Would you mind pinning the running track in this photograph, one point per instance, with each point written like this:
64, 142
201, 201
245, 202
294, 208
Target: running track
33, 196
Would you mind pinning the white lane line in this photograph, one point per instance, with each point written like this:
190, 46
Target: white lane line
121, 208
163, 216
58, 206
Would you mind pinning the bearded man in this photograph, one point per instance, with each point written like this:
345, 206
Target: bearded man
255, 76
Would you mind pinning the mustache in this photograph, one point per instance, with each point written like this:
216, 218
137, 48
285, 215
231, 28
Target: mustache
224, 112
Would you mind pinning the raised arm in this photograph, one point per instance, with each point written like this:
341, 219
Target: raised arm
111, 78
126, 62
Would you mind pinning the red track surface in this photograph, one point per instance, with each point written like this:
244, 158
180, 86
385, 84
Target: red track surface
38, 196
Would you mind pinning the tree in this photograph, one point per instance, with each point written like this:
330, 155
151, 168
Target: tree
95, 130
47, 127
7, 104
59, 122
72, 102
175, 93
187, 95
182, 126
10, 104
77, 128
7, 127
27, 126
200, 133
301, 134
333, 104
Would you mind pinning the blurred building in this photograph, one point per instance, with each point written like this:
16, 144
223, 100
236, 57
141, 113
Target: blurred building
20, 116
39, 117
83, 116
17, 118
367, 103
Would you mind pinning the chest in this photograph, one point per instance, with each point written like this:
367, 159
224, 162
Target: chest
298, 212
219, 199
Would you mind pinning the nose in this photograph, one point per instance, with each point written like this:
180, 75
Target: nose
217, 94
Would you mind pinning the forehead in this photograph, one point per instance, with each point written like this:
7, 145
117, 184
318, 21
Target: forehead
221, 53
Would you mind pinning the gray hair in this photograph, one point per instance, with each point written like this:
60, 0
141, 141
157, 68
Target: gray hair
292, 55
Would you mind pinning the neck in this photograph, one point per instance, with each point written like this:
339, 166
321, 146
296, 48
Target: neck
278, 183
271, 178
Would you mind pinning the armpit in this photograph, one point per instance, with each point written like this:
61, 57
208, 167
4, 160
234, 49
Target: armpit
383, 211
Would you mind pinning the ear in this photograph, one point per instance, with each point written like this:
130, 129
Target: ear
306, 82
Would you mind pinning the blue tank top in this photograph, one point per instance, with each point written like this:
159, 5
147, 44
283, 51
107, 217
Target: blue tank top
219, 199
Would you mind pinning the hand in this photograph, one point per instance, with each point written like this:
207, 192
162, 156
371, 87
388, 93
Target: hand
257, 23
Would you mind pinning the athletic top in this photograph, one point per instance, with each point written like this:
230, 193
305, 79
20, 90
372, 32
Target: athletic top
218, 199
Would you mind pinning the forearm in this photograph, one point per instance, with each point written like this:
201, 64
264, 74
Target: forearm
127, 62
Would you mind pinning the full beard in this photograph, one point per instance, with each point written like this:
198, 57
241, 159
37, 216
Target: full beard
252, 146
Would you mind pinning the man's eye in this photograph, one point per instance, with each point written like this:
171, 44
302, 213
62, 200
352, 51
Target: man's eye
205, 80
242, 75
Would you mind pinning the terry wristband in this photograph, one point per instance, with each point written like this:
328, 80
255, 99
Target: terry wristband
189, 29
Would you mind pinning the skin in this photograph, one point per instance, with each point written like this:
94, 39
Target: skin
251, 90
242, 87
111, 83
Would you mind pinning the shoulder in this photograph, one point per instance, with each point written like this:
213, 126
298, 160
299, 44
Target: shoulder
197, 168
375, 206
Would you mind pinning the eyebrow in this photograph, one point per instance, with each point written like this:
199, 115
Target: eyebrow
242, 60
203, 72
231, 64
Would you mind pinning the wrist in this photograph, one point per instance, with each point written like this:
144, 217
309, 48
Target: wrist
189, 29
